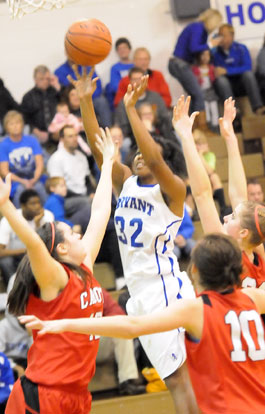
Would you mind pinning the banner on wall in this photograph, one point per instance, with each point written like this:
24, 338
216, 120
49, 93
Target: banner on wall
247, 17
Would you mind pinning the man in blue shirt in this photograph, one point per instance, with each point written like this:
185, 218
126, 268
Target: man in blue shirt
234, 70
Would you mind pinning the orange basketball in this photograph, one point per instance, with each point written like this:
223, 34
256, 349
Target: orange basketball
87, 42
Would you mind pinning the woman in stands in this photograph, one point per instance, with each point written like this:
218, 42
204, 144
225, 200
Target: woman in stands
224, 337
148, 214
55, 280
247, 222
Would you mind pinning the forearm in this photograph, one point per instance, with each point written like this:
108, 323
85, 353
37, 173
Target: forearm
38, 171
237, 184
91, 126
112, 326
147, 146
20, 226
198, 176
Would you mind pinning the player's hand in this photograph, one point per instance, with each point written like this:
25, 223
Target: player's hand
32, 322
182, 122
226, 122
5, 188
84, 84
106, 146
134, 92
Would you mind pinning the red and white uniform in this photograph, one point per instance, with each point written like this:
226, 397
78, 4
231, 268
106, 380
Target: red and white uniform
63, 364
227, 365
253, 272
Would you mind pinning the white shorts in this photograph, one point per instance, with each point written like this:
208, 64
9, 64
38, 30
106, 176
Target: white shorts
166, 350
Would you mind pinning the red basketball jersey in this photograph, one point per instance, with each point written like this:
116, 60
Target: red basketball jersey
66, 360
227, 366
253, 272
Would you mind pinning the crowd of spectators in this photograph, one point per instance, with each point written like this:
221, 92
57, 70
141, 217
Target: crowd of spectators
43, 145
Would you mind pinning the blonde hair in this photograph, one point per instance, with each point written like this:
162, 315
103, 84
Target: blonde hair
141, 49
227, 26
10, 116
252, 218
52, 182
208, 14
40, 69
199, 137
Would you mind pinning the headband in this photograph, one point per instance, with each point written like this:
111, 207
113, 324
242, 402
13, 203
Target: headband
53, 236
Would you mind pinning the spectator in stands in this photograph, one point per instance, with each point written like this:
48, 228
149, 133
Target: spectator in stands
234, 76
156, 82
22, 156
147, 113
204, 72
6, 381
191, 41
184, 242
64, 117
7, 103
123, 352
39, 104
57, 190
162, 114
68, 162
15, 340
120, 69
260, 71
100, 102
255, 192
11, 248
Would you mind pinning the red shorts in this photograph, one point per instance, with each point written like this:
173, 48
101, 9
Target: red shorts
48, 400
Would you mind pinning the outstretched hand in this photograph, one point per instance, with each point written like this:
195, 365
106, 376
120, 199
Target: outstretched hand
106, 146
134, 92
182, 122
32, 322
5, 188
226, 122
84, 84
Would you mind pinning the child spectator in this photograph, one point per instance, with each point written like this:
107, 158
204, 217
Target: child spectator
57, 190
64, 117
204, 72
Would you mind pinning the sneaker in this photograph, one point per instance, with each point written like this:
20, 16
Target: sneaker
129, 387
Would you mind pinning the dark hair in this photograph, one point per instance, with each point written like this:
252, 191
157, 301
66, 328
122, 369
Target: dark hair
27, 194
61, 132
25, 282
172, 154
122, 40
135, 69
253, 181
218, 259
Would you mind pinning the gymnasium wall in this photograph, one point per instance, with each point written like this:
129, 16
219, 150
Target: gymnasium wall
38, 38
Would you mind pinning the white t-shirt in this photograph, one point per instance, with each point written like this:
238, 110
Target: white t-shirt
72, 167
9, 238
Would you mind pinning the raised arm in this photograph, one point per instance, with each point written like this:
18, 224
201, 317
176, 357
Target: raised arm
176, 315
237, 184
171, 185
199, 180
101, 205
49, 274
85, 87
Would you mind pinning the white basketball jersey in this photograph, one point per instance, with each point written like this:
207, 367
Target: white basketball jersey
146, 229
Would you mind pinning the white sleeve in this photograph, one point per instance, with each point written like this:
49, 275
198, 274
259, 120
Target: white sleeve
47, 218
5, 232
54, 167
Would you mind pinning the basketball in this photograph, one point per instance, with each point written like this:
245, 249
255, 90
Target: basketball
87, 42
